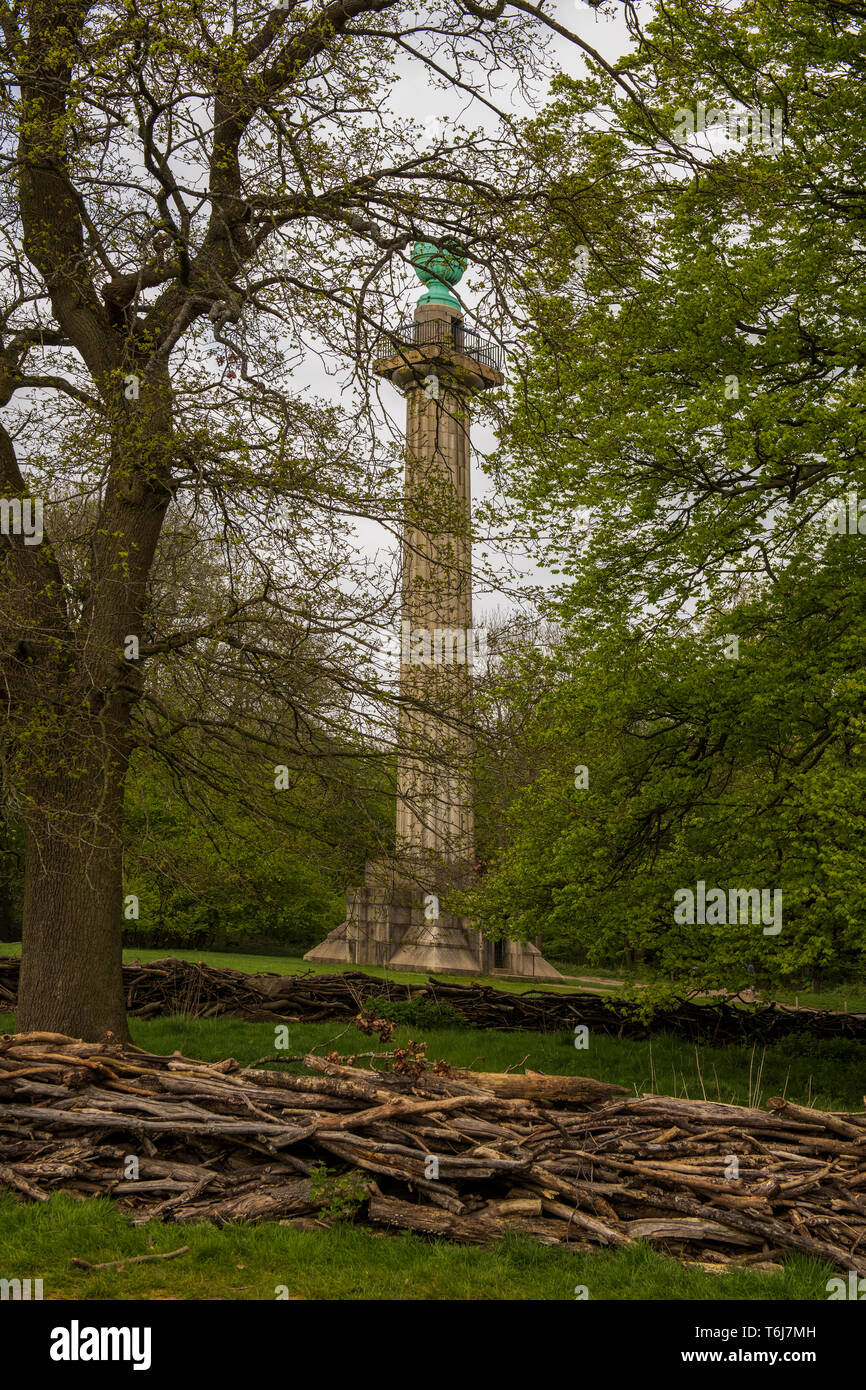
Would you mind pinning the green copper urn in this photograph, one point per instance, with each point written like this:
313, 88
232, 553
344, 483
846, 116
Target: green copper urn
437, 269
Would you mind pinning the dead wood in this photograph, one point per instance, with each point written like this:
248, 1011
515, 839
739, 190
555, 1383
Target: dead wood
130, 1260
173, 987
468, 1156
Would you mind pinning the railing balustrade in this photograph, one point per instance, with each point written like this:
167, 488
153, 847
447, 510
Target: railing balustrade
445, 332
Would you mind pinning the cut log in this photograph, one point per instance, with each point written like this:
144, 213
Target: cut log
577, 1090
688, 1228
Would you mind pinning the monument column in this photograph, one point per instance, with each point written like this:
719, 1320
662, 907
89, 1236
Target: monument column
396, 918
438, 644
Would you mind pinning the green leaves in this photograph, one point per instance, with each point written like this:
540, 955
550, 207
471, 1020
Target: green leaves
700, 389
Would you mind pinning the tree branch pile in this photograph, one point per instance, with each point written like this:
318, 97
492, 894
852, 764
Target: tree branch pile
170, 987
465, 1156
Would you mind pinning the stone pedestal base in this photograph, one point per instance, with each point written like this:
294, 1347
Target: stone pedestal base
387, 924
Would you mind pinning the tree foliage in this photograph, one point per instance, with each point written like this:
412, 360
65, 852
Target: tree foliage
690, 408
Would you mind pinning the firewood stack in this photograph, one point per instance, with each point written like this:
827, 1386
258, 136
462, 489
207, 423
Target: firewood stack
192, 989
466, 1156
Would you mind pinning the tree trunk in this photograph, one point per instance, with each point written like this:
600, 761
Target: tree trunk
74, 686
71, 980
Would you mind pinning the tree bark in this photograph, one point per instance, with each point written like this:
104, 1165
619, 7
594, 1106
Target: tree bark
71, 958
73, 699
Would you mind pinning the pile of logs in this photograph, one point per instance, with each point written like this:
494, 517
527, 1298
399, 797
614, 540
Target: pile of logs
170, 987
461, 1155
714, 1021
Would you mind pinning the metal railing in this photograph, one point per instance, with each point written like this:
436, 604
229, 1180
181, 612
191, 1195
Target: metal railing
447, 332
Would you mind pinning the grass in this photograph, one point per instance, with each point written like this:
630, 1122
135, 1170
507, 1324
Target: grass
851, 996
828, 1075
242, 1261
296, 965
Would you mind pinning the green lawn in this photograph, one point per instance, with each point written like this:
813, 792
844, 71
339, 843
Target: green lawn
342, 1262
296, 965
830, 1076
851, 996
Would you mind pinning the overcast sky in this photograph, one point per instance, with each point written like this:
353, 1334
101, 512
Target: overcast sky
608, 35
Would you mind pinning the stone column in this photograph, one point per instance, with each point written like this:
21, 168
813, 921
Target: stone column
396, 918
438, 646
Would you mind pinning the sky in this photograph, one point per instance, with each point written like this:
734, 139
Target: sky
609, 36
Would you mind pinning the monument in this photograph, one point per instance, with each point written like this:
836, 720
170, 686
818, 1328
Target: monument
396, 918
